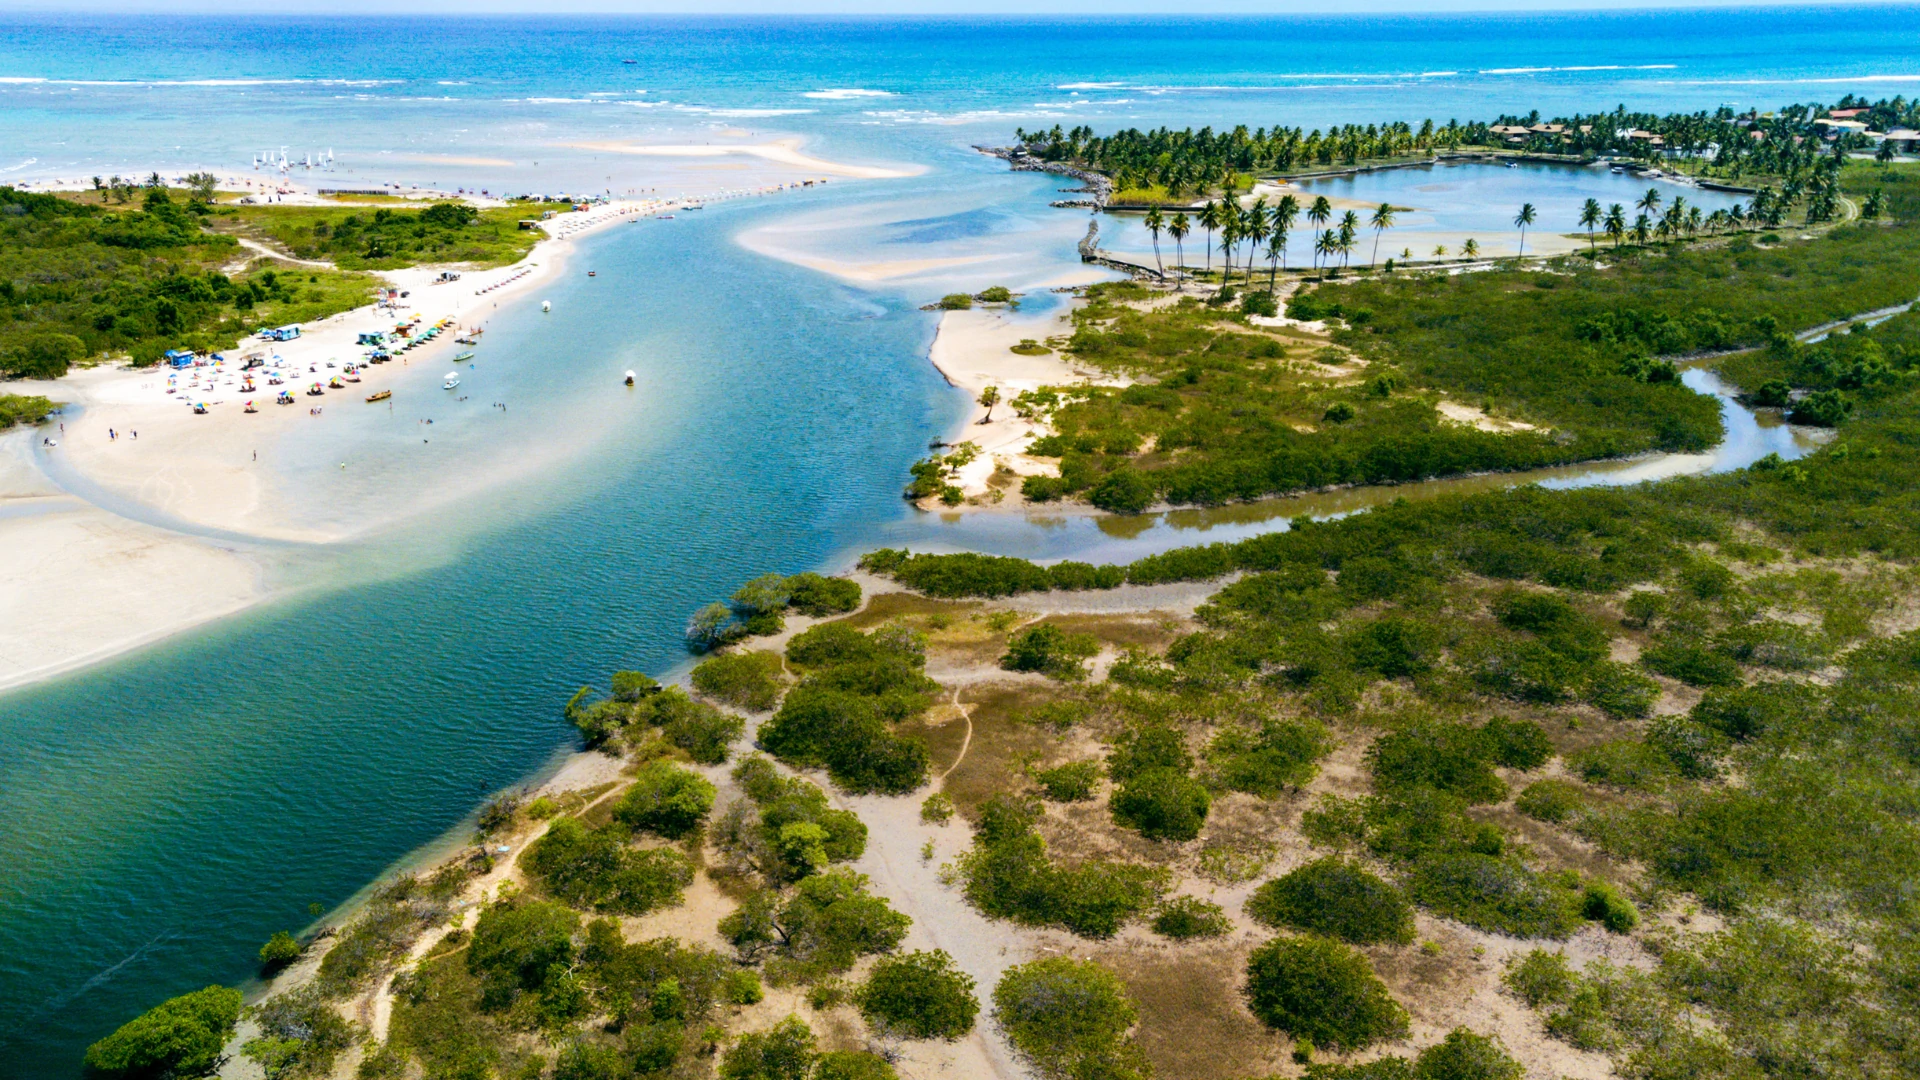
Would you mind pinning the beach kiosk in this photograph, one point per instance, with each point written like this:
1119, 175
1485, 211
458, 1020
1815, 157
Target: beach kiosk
179, 358
281, 333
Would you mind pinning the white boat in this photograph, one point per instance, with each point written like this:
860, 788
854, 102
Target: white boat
453, 380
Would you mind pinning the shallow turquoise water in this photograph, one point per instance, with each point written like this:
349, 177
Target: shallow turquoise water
170, 809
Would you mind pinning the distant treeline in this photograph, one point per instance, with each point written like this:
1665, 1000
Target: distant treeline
1189, 162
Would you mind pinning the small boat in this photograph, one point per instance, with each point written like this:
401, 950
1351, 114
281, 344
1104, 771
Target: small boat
379, 395
462, 356
453, 380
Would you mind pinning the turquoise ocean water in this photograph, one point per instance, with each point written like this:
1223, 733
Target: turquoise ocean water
168, 810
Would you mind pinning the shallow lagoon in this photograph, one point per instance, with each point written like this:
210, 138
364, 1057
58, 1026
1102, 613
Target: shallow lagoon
1446, 204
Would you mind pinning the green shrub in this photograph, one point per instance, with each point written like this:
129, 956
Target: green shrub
1606, 906
521, 947
1282, 754
840, 715
1748, 712
1260, 303
1338, 413
1322, 991
1335, 898
1145, 748
597, 869
301, 1033
956, 302
1125, 490
1555, 801
818, 596
1386, 1068
748, 680
1068, 1019
1049, 650
1618, 690
1007, 875
23, 409
994, 294
853, 1065
1692, 748
1162, 804
1072, 782
180, 1037
829, 922
1453, 758
1540, 978
1186, 917
937, 808
280, 950
1691, 662
704, 732
919, 995
631, 686
784, 1052
1628, 764
665, 799
1462, 1055
774, 841
1497, 895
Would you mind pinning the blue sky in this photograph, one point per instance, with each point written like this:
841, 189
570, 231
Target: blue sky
872, 7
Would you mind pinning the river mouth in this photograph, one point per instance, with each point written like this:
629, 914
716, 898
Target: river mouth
1089, 535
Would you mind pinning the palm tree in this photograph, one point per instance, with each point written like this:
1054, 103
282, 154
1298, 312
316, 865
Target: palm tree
1229, 236
1648, 202
1178, 229
1523, 219
1156, 223
1210, 220
1349, 228
1382, 220
1693, 219
1320, 211
1616, 223
1324, 246
1590, 215
1471, 249
1641, 226
1439, 251
989, 397
1256, 231
1276, 252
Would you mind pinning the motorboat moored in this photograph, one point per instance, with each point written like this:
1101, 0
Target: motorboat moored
379, 395
453, 380
462, 356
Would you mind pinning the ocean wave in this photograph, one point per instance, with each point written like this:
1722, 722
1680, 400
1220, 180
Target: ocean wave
1092, 86
1822, 81
201, 82
22, 165
703, 110
17, 79
1577, 67
846, 94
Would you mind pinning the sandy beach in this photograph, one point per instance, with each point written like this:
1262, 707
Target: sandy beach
974, 350
133, 516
